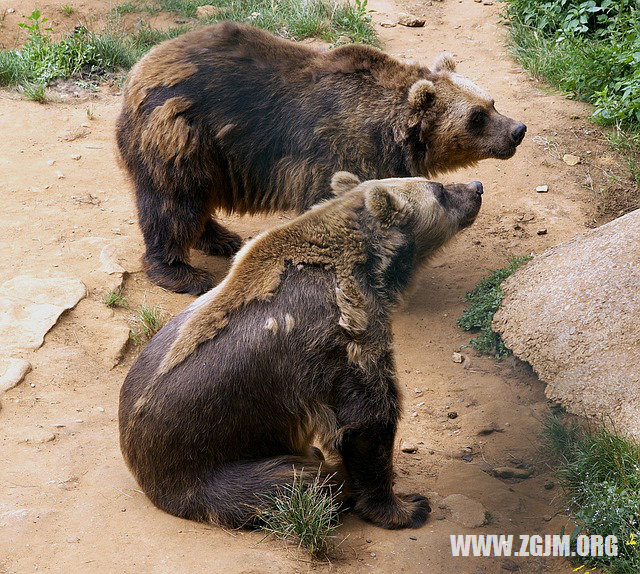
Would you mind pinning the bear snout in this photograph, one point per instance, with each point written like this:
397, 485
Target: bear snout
517, 135
477, 185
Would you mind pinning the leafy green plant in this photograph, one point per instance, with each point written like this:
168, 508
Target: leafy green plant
484, 301
600, 473
305, 512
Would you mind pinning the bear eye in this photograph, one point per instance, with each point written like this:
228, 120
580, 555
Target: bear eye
477, 120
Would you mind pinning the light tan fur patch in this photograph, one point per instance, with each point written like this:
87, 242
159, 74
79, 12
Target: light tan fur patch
167, 132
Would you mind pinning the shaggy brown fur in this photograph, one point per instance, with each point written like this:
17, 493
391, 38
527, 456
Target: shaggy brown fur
231, 118
224, 403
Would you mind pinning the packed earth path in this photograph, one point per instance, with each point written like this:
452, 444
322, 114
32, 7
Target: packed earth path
67, 501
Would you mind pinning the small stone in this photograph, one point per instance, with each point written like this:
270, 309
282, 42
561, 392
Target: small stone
542, 231
408, 447
457, 358
73, 540
542, 188
100, 409
452, 415
33, 385
368, 540
467, 458
59, 175
547, 517
511, 472
570, 159
207, 11
59, 425
10, 10
439, 517
410, 21
414, 414
488, 3
36, 190
549, 485
373, 554
344, 40
76, 156
413, 538
51, 162
388, 24
478, 1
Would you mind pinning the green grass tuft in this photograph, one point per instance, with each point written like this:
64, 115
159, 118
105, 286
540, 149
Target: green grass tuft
307, 513
600, 473
115, 298
67, 9
484, 301
146, 323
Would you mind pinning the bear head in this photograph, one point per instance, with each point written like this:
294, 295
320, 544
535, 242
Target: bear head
456, 121
430, 212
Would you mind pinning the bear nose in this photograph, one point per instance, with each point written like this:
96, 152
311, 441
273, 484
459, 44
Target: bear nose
477, 185
517, 135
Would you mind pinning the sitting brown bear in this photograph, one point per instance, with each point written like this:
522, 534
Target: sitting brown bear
222, 405
231, 118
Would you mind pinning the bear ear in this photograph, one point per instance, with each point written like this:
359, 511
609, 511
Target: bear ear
421, 94
386, 205
343, 181
444, 62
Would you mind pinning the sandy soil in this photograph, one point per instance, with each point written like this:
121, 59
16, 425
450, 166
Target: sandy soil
69, 504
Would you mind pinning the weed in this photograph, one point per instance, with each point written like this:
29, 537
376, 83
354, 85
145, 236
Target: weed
484, 301
35, 91
306, 512
115, 298
146, 323
600, 473
67, 9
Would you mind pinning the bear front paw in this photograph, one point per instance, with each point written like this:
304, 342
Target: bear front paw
400, 511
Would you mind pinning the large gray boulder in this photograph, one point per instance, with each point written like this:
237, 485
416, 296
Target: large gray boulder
573, 313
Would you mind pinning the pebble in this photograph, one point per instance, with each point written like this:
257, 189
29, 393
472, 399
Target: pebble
388, 24
59, 425
452, 415
414, 414
408, 447
410, 21
542, 188
51, 162
60, 175
100, 409
542, 231
457, 358
570, 159
73, 540
488, 3
413, 538
549, 485
76, 156
439, 517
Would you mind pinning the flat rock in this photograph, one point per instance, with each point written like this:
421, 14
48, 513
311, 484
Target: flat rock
511, 472
388, 24
465, 511
12, 371
410, 21
34, 436
573, 314
542, 188
30, 306
109, 260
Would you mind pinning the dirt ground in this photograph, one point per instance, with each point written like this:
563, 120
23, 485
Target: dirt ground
67, 501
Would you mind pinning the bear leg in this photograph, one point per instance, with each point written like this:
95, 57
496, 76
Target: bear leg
170, 226
367, 455
218, 240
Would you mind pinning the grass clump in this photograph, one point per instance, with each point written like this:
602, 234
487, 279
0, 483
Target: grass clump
67, 9
115, 298
589, 49
304, 512
600, 473
147, 322
326, 19
484, 301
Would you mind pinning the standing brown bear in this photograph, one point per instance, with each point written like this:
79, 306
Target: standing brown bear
223, 404
231, 118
